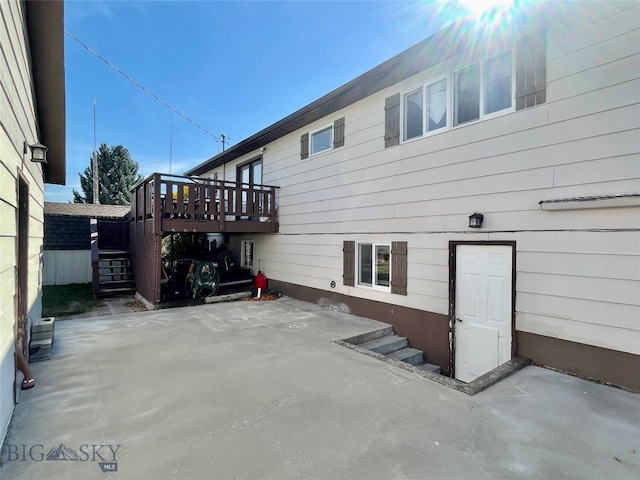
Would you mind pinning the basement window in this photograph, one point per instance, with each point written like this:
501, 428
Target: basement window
246, 257
374, 265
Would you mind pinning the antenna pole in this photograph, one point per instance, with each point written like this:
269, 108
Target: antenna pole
96, 194
170, 140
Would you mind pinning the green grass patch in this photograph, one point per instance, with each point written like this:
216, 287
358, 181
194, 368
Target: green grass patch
66, 300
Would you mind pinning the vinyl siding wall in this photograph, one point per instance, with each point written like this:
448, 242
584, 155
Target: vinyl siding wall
66, 267
577, 271
17, 124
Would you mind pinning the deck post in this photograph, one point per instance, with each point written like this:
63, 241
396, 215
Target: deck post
95, 256
222, 209
272, 208
145, 205
157, 205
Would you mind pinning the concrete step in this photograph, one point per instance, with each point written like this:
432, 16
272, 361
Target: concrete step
430, 367
116, 283
365, 337
46, 324
107, 291
408, 355
40, 349
385, 345
43, 329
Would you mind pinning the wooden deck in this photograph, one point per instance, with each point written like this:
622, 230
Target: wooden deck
188, 204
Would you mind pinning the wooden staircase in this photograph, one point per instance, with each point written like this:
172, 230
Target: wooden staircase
113, 274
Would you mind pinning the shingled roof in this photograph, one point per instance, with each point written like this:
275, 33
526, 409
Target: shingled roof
86, 210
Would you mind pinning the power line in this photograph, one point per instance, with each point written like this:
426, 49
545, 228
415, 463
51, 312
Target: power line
146, 90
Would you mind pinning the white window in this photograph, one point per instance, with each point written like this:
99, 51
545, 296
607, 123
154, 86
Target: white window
374, 265
246, 257
483, 88
432, 100
437, 105
498, 83
321, 140
467, 94
413, 114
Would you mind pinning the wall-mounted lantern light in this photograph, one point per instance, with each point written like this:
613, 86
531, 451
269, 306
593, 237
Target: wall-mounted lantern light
475, 220
38, 153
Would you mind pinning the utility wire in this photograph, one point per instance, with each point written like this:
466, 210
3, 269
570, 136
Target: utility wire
146, 90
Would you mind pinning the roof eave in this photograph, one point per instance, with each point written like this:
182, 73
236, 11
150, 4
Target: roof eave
45, 25
462, 35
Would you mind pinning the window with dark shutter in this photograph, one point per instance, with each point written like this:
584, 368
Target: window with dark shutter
304, 146
392, 121
399, 268
348, 263
338, 133
531, 70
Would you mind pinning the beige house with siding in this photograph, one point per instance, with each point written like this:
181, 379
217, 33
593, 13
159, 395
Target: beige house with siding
532, 122
32, 111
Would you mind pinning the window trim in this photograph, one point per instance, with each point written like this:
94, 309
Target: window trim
450, 80
454, 92
482, 63
427, 84
404, 112
358, 272
313, 132
513, 84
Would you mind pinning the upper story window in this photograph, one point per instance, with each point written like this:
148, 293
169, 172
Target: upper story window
425, 109
467, 94
511, 80
483, 88
437, 100
498, 83
323, 139
413, 114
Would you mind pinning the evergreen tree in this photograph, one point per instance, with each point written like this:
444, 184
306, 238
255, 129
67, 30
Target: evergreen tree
117, 174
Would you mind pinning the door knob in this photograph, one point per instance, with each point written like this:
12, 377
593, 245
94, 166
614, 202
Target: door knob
458, 319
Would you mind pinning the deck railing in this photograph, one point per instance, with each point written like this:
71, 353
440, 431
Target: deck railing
188, 204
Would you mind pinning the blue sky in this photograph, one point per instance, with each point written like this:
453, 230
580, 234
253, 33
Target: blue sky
232, 67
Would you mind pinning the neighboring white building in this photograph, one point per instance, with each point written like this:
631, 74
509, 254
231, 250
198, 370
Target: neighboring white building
67, 239
32, 110
532, 122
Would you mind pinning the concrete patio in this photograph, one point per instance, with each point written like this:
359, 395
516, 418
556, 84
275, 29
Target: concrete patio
258, 390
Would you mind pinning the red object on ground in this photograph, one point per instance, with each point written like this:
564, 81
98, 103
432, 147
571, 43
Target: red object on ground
260, 281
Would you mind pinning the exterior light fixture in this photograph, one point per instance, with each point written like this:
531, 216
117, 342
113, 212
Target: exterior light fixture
475, 220
38, 153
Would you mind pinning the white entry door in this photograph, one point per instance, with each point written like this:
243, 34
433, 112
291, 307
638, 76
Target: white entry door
482, 309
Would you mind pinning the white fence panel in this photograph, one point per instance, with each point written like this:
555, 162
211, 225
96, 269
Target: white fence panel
64, 267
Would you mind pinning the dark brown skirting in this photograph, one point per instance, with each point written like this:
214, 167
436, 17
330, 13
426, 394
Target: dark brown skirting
610, 366
145, 251
425, 331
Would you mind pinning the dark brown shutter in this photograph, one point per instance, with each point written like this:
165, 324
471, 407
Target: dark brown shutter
531, 70
399, 268
392, 121
348, 263
304, 146
338, 133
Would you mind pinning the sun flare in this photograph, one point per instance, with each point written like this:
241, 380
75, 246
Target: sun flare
478, 7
